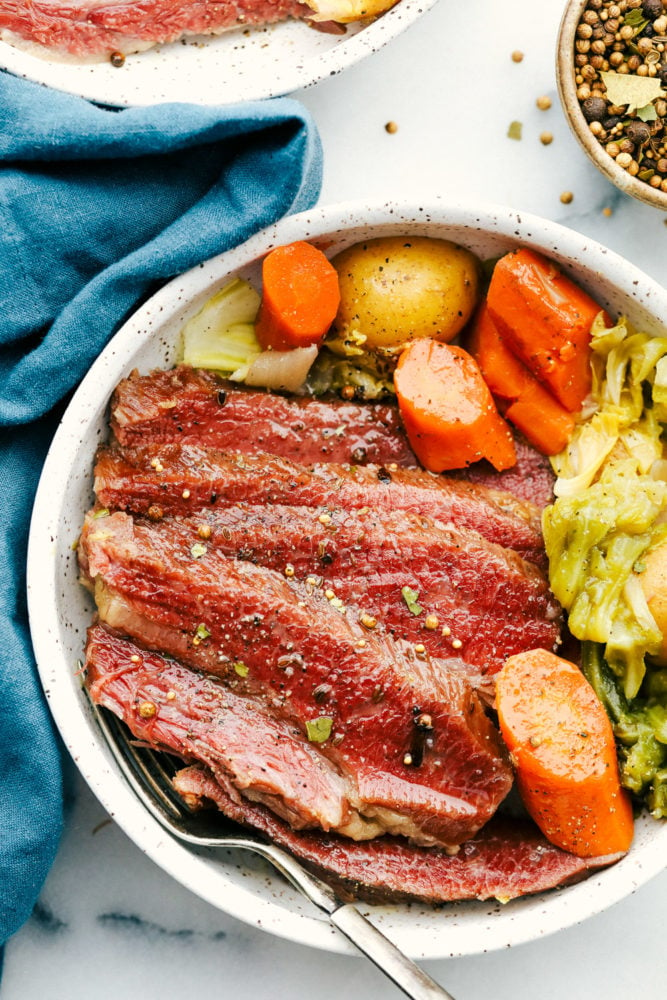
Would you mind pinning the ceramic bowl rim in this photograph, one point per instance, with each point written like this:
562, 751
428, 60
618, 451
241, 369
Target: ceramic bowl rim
439, 936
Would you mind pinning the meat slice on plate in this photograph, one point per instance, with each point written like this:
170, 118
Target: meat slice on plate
531, 479
180, 479
407, 732
276, 783
191, 406
508, 858
94, 29
463, 598
187, 405
248, 750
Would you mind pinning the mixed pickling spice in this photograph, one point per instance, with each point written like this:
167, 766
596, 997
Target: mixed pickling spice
621, 76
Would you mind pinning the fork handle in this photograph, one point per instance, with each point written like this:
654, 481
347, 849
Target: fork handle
412, 980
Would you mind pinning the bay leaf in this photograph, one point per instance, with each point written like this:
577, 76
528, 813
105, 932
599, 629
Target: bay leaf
633, 91
647, 114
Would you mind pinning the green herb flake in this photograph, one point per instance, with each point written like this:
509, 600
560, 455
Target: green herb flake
198, 550
242, 669
202, 632
319, 730
411, 598
515, 130
639, 567
635, 19
102, 512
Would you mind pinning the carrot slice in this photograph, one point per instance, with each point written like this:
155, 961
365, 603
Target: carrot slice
545, 319
447, 409
546, 424
300, 297
562, 745
527, 404
504, 374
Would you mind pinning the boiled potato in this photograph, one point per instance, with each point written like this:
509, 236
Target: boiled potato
654, 584
398, 288
345, 11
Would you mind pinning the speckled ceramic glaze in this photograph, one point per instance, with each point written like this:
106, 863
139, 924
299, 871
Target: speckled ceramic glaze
244, 64
567, 90
60, 609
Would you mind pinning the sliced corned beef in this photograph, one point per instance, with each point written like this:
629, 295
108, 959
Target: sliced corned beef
409, 732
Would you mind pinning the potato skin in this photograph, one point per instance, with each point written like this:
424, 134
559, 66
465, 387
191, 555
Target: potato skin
398, 288
654, 584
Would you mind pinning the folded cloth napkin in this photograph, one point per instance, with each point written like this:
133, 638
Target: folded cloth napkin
98, 206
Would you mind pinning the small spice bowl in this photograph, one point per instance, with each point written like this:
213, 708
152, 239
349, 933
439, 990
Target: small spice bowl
572, 46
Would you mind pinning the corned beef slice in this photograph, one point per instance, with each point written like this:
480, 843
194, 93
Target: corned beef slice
277, 774
197, 718
190, 406
531, 479
97, 28
506, 859
187, 405
180, 479
408, 733
489, 602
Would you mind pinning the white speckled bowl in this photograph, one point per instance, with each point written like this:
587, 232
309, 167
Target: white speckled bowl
61, 610
567, 90
239, 65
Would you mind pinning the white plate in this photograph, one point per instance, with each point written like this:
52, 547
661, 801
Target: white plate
60, 610
240, 65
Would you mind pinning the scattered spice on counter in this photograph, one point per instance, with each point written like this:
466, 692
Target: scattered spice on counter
607, 211
567, 197
543, 103
621, 76
517, 56
515, 130
391, 128
546, 138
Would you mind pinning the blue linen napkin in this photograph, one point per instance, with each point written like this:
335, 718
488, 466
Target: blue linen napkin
98, 207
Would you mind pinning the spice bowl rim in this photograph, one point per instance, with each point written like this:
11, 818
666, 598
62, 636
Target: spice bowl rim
567, 92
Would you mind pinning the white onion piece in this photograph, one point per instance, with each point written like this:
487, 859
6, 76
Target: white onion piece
284, 370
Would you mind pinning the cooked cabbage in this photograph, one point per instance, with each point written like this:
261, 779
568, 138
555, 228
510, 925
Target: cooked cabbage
610, 512
222, 335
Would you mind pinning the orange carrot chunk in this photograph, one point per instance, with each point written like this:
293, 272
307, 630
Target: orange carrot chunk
447, 409
561, 742
504, 374
545, 320
546, 424
300, 297
526, 403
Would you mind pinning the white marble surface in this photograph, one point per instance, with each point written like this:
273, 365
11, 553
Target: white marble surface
109, 923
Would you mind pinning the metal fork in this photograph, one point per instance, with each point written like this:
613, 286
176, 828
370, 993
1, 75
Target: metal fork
148, 774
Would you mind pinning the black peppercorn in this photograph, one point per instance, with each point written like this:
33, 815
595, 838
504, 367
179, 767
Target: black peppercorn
637, 132
611, 122
594, 108
652, 8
